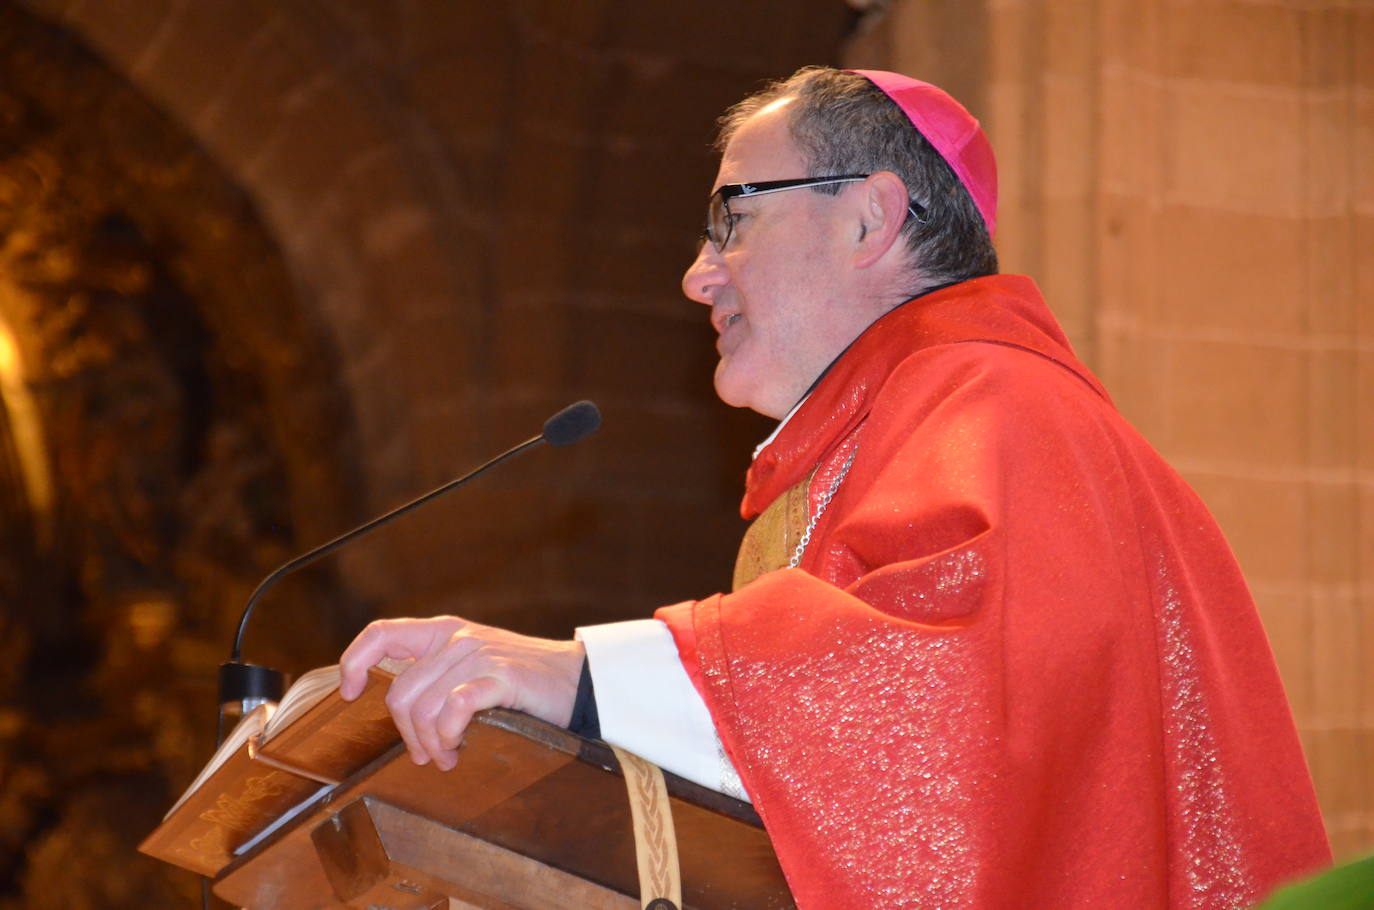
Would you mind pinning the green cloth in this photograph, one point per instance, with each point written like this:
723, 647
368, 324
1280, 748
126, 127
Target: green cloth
1347, 887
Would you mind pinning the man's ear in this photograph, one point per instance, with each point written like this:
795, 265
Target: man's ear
882, 212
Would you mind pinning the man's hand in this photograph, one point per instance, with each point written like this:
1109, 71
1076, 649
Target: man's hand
461, 668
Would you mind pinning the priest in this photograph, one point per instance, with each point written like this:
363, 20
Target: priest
984, 648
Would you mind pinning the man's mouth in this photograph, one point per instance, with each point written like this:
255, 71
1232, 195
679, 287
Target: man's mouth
726, 341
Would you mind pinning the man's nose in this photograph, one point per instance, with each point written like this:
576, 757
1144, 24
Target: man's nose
706, 275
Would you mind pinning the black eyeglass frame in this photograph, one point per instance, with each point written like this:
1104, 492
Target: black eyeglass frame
719, 218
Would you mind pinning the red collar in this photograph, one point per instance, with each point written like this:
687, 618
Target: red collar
998, 309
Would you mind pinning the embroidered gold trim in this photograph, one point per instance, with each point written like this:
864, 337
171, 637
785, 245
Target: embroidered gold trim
772, 538
660, 876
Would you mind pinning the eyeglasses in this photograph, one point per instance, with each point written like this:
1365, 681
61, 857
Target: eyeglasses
720, 223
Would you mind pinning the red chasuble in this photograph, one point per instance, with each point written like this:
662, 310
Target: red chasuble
1018, 665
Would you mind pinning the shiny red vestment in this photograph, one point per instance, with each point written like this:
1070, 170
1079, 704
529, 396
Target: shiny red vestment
1018, 666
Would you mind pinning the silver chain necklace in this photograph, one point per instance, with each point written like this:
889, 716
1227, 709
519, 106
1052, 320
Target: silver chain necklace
821, 507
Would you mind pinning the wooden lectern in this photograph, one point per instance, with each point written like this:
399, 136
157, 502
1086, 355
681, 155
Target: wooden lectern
532, 817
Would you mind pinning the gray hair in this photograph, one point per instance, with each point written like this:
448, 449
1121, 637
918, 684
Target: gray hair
844, 124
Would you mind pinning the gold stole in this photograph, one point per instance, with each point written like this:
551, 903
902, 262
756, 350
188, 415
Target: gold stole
772, 537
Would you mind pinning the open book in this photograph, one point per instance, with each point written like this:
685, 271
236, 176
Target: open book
276, 759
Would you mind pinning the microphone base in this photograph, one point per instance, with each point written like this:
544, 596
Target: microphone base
242, 687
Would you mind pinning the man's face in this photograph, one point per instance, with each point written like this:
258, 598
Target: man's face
773, 291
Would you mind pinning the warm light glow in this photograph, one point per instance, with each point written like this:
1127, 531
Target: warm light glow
26, 429
9, 357
150, 622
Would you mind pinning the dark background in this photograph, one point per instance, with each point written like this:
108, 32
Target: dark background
269, 268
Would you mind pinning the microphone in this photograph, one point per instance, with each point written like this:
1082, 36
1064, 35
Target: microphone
574, 422
242, 687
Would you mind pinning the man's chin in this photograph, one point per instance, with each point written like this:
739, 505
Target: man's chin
729, 391
741, 395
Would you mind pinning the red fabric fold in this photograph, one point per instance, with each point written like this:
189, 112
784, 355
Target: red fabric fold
1019, 666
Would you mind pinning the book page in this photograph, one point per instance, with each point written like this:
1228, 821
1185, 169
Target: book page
304, 694
249, 726
313, 688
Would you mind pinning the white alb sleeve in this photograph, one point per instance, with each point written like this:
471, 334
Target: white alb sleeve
648, 705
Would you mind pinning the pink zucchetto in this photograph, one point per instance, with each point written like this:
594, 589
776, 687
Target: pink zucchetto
951, 129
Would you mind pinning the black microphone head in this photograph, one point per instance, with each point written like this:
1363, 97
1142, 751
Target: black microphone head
572, 423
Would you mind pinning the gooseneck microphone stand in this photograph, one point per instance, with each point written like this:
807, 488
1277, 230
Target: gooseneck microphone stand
244, 686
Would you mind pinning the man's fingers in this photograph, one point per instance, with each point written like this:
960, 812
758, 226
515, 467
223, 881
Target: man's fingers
441, 712
416, 696
396, 638
399, 698
379, 640
428, 701
457, 712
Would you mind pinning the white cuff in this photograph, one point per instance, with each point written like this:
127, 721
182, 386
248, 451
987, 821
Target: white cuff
648, 705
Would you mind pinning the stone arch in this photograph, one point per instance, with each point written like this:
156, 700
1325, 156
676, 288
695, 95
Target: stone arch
300, 104
192, 436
